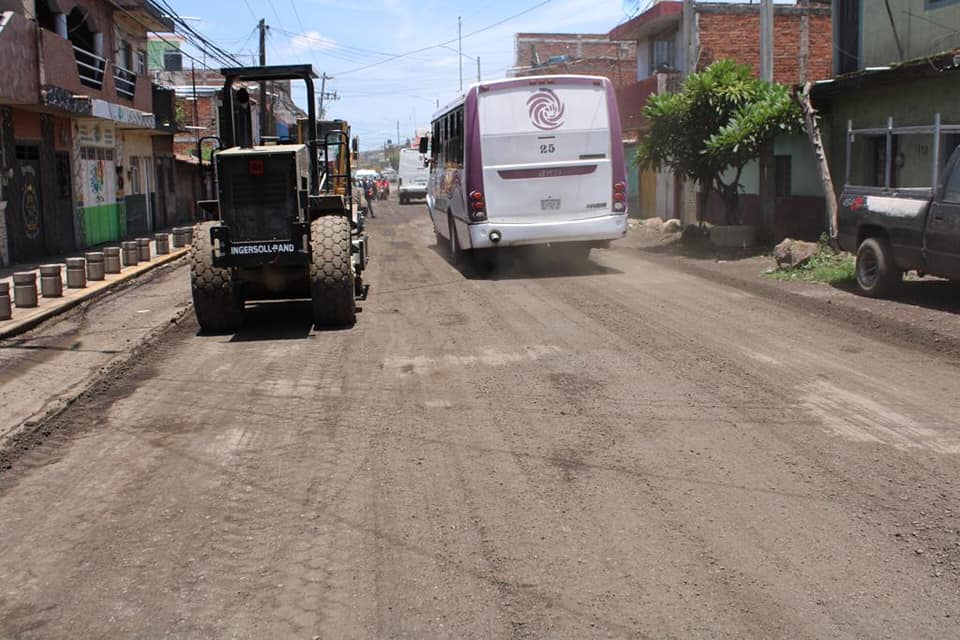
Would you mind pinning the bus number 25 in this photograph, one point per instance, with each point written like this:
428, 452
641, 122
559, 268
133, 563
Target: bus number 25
547, 148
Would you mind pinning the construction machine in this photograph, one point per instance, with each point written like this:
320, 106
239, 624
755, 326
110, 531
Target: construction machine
284, 224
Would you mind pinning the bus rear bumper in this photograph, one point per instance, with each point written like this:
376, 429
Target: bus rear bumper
599, 229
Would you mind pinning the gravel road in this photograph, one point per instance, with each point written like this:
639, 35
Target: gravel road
621, 451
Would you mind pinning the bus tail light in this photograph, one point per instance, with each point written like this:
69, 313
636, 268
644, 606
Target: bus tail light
478, 206
619, 196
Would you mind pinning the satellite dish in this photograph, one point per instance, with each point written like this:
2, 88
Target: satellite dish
631, 7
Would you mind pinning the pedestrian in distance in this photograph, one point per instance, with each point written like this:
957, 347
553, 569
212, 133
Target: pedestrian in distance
369, 192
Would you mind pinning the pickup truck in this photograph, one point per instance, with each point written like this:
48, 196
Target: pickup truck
894, 230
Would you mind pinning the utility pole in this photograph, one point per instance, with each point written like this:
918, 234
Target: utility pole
803, 58
478, 69
689, 39
767, 169
766, 40
324, 95
460, 48
398, 133
262, 25
683, 200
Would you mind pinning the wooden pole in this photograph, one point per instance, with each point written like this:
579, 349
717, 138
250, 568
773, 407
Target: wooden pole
823, 167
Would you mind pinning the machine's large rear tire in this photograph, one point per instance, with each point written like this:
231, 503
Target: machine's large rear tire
216, 302
331, 272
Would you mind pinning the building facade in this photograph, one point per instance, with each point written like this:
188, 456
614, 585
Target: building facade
901, 67
592, 54
732, 31
86, 148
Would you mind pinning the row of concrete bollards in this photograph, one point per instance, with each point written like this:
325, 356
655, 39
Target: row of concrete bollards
93, 266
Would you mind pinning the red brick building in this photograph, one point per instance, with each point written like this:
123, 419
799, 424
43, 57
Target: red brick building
538, 54
733, 31
723, 30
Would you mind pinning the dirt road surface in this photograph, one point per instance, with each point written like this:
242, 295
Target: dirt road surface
619, 451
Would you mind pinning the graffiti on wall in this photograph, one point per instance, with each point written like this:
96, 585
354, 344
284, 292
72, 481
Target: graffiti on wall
30, 203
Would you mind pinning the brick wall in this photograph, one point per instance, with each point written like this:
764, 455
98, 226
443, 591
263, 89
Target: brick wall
620, 72
206, 116
590, 54
734, 32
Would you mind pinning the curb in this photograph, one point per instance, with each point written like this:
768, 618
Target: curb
16, 327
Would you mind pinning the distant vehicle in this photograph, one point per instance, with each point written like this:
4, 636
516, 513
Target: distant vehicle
389, 174
413, 175
365, 174
896, 229
527, 161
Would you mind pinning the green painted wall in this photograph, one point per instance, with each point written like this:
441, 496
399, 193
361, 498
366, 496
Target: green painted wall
104, 223
908, 104
925, 27
803, 181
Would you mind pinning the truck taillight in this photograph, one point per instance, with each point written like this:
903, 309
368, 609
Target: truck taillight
478, 206
619, 196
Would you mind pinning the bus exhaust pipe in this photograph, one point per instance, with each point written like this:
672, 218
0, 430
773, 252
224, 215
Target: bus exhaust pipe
494, 236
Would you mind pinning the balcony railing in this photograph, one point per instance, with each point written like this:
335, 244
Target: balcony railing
90, 66
125, 80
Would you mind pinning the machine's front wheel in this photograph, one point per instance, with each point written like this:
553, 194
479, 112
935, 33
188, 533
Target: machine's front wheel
216, 302
331, 272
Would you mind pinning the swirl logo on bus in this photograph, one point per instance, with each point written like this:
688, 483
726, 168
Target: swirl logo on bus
546, 110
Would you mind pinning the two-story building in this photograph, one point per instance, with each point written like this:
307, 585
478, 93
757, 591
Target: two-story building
718, 31
902, 64
86, 147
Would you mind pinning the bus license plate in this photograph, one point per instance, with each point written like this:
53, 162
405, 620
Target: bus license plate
550, 204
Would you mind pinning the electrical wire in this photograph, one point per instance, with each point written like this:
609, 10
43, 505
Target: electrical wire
446, 42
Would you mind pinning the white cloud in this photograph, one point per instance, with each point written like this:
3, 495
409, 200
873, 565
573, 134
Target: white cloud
311, 41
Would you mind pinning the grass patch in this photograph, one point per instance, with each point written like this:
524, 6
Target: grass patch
828, 266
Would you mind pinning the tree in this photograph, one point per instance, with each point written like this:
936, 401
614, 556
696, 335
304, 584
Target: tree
714, 126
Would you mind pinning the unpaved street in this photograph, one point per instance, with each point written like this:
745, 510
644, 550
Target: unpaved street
624, 451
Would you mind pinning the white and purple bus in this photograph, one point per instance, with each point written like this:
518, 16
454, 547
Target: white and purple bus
527, 161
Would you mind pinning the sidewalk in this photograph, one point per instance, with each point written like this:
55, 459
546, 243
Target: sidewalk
925, 313
27, 318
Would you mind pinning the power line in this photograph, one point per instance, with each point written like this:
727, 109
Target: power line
218, 52
447, 42
160, 37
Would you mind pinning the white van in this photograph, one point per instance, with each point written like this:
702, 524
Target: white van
413, 175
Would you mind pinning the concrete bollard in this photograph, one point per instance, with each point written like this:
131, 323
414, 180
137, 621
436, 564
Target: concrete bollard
131, 254
95, 265
51, 280
76, 273
187, 235
25, 289
143, 246
111, 259
5, 309
163, 243
177, 237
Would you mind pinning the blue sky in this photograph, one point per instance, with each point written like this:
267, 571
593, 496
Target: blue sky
340, 37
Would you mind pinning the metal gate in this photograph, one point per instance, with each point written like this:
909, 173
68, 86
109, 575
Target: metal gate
25, 230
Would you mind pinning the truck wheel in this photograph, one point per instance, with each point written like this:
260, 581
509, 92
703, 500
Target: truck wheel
218, 306
331, 272
877, 275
